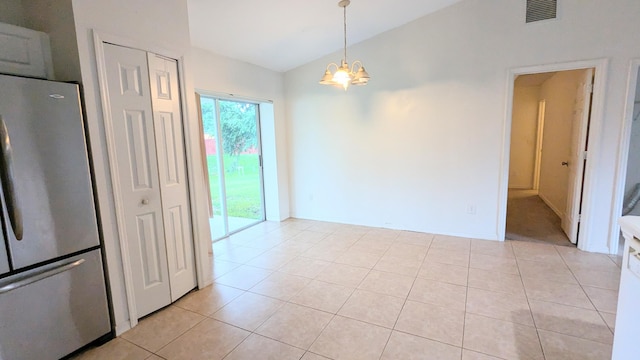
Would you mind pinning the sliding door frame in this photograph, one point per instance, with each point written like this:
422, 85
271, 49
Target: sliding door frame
220, 154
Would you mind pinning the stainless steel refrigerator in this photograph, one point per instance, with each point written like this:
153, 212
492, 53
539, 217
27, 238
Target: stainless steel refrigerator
53, 298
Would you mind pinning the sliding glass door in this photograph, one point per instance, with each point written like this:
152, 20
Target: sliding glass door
234, 164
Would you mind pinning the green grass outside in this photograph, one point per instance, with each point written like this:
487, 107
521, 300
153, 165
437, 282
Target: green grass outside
242, 180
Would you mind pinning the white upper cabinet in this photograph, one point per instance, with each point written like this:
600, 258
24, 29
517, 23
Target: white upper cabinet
25, 52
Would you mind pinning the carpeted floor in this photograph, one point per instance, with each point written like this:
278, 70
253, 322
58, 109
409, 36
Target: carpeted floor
530, 219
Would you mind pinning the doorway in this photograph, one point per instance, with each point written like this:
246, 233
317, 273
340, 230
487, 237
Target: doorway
549, 132
232, 147
630, 184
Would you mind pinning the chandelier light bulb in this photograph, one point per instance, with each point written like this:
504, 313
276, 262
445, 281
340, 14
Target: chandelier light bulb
344, 74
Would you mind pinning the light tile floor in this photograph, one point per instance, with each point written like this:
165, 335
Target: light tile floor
313, 290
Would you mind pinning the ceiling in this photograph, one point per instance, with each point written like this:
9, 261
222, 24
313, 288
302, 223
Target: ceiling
283, 34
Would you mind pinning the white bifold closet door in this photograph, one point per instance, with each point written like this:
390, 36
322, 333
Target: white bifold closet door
146, 123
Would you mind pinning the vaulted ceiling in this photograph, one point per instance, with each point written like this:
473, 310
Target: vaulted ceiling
283, 34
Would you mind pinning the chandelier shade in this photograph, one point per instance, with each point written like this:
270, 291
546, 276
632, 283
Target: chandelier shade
345, 75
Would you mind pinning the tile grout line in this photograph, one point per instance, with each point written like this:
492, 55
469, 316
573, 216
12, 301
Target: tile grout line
578, 337
415, 277
252, 332
370, 270
151, 353
466, 299
589, 297
393, 328
328, 322
237, 345
356, 288
526, 295
182, 333
333, 316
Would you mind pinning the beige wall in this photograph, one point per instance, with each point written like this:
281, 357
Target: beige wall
524, 127
55, 17
11, 12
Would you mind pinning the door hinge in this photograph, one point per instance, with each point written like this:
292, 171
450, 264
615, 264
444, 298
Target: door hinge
260, 160
579, 217
590, 88
584, 155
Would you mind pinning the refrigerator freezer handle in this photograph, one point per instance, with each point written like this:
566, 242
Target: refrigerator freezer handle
40, 276
6, 175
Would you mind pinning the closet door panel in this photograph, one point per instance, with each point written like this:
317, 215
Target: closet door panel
172, 173
138, 183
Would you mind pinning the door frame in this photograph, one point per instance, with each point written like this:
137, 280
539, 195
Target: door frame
542, 108
257, 102
623, 156
597, 112
192, 160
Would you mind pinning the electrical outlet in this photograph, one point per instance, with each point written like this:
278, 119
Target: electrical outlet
471, 209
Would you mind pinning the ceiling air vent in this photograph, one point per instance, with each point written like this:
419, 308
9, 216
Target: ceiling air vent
538, 10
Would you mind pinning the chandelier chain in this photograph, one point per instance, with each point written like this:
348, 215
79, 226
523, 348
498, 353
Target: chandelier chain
345, 33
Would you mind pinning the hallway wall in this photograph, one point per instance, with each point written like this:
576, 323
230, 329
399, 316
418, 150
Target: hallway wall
524, 128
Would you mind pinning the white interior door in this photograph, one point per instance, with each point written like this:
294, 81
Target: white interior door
174, 190
580, 125
137, 175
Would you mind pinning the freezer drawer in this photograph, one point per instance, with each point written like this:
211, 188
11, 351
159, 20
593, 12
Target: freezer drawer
50, 317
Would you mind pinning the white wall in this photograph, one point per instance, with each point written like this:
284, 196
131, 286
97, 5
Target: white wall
633, 163
156, 25
559, 93
213, 74
524, 127
425, 138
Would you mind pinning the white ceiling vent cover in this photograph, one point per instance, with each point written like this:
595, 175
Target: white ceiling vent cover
538, 10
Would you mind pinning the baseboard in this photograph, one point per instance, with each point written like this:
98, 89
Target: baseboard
521, 187
551, 206
121, 328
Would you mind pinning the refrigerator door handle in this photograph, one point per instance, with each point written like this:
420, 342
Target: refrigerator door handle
6, 175
40, 276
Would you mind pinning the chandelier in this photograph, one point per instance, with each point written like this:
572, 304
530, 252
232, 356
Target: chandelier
345, 75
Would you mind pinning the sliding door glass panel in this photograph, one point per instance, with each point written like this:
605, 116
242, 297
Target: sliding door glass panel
243, 174
234, 164
214, 167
